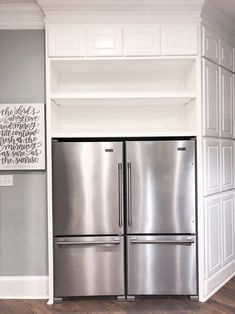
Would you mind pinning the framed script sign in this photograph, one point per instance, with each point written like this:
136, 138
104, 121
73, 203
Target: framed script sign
22, 137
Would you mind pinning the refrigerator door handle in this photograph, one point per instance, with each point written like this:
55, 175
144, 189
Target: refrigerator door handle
120, 194
187, 241
129, 209
113, 242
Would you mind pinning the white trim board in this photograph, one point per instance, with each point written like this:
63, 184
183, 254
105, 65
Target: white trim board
23, 287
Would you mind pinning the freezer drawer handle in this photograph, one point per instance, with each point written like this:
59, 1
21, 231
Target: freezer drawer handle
129, 194
120, 193
188, 241
114, 242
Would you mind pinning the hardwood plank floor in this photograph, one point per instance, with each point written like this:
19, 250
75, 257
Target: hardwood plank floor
223, 302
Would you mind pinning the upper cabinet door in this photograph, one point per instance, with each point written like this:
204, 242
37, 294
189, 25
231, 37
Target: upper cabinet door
226, 167
210, 99
211, 167
180, 40
210, 45
104, 40
140, 40
66, 41
226, 55
226, 106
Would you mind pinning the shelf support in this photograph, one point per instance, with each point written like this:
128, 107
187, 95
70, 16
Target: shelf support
55, 102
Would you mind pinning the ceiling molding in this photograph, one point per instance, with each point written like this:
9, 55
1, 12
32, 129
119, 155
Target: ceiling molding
21, 16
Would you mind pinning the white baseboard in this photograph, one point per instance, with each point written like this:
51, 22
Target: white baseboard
23, 287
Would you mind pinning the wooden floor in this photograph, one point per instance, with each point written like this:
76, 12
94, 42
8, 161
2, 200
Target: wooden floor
222, 302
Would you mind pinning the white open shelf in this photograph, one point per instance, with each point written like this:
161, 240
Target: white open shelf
152, 96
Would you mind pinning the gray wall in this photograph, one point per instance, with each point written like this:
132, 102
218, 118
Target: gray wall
23, 215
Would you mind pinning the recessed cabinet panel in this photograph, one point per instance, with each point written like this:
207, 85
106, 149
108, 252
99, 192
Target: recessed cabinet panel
211, 167
104, 40
66, 41
179, 40
212, 235
226, 167
226, 55
210, 45
210, 99
142, 40
227, 205
226, 105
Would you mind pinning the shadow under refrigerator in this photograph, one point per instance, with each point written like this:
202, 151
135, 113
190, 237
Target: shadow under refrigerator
124, 218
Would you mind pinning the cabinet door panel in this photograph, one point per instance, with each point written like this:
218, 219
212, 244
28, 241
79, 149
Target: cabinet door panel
66, 41
179, 40
141, 41
226, 55
210, 98
226, 103
212, 235
211, 167
226, 167
104, 41
227, 205
210, 46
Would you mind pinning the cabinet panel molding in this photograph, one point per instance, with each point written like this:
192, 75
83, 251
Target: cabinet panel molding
213, 254
104, 40
179, 40
226, 55
142, 40
66, 41
210, 45
226, 103
227, 205
211, 166
226, 166
210, 98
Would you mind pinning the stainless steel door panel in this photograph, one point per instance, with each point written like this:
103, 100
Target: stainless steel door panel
88, 266
160, 187
161, 265
87, 188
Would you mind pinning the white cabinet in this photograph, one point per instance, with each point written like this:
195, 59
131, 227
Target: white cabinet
226, 103
210, 45
210, 99
226, 164
179, 40
104, 40
226, 55
211, 166
213, 254
66, 40
141, 40
228, 233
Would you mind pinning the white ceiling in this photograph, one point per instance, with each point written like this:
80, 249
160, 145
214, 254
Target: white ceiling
227, 6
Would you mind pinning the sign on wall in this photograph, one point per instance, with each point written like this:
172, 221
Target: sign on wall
22, 137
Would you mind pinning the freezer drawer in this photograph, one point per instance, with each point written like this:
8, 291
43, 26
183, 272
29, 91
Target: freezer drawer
88, 266
87, 188
161, 265
161, 187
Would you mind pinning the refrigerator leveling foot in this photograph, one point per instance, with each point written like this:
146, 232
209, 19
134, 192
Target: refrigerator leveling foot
130, 298
121, 298
58, 300
193, 297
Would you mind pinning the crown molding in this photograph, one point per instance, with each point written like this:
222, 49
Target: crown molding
213, 16
21, 16
120, 11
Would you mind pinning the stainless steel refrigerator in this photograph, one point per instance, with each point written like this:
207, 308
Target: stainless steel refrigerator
124, 218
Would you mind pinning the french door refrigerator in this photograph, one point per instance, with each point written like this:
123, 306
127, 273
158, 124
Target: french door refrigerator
161, 240
88, 219
124, 218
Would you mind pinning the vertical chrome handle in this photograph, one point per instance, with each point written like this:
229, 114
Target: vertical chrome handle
120, 193
129, 209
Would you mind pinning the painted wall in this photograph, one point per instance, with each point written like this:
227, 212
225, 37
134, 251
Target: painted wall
23, 216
